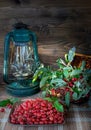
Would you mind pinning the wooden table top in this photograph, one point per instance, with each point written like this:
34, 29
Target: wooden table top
78, 117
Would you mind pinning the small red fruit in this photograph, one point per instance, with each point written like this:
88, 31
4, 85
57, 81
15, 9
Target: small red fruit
81, 76
51, 118
70, 84
53, 92
9, 106
2, 110
74, 79
66, 89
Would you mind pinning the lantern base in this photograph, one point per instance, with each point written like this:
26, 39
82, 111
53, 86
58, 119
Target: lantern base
22, 89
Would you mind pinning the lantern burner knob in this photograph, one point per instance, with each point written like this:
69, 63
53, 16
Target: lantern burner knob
20, 25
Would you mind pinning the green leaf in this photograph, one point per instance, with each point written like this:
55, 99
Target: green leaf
61, 63
59, 107
66, 58
61, 66
35, 77
43, 81
43, 93
48, 99
58, 82
80, 95
71, 54
84, 92
4, 103
38, 73
68, 68
75, 89
67, 99
75, 72
14, 100
59, 73
66, 73
77, 84
87, 73
75, 96
83, 65
53, 74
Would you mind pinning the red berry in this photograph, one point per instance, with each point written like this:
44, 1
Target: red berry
21, 122
9, 106
53, 92
2, 110
70, 84
81, 76
74, 79
66, 89
51, 118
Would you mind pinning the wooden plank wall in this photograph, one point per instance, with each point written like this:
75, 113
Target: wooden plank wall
59, 25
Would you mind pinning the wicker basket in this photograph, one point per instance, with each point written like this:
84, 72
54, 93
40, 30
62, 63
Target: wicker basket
81, 57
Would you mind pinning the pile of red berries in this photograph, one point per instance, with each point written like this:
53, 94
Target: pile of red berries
36, 111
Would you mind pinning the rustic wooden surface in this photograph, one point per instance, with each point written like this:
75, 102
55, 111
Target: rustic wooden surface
77, 118
59, 25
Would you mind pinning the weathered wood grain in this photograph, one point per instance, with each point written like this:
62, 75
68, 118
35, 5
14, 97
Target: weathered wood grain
59, 25
66, 3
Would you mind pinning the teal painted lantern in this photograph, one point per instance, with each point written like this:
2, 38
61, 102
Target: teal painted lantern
20, 61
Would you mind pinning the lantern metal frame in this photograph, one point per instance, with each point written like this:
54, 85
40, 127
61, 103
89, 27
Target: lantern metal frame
20, 87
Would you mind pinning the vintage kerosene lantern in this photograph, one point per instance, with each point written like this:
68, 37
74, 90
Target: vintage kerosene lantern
20, 61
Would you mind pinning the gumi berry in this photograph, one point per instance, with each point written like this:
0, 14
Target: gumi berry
2, 109
9, 106
36, 111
